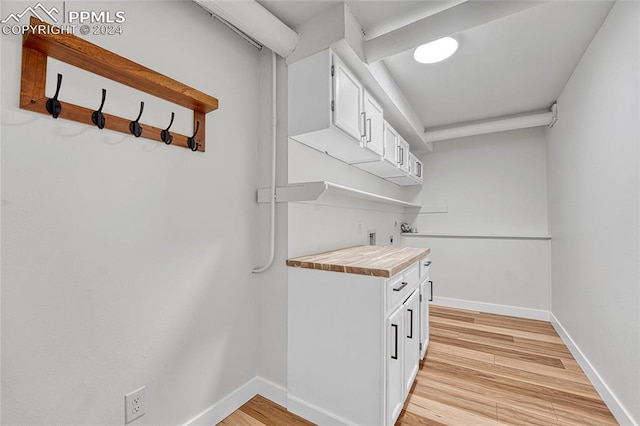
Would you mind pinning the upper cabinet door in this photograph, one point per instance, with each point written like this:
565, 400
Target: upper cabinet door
416, 167
390, 144
347, 97
403, 155
374, 125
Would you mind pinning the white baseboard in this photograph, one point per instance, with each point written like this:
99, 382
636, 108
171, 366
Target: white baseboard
314, 414
492, 308
236, 399
227, 405
617, 409
272, 391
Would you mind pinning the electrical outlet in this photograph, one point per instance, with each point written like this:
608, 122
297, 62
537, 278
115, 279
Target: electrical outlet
134, 405
372, 237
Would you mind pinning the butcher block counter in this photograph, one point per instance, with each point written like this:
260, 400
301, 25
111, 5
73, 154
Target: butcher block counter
377, 261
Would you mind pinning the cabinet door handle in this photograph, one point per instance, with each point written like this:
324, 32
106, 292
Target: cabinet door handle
427, 263
363, 132
410, 336
419, 169
401, 156
395, 327
403, 285
368, 132
431, 292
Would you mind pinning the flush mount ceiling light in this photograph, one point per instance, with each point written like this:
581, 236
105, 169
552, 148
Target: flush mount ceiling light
436, 51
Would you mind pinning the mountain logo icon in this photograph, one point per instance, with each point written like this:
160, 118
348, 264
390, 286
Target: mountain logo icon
39, 11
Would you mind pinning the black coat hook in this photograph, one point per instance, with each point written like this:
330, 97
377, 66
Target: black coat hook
191, 142
98, 117
134, 126
165, 135
53, 104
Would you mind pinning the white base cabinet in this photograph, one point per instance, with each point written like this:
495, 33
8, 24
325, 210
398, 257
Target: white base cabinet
353, 344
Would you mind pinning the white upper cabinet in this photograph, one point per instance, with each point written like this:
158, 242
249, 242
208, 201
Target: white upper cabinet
326, 108
413, 176
373, 125
332, 112
387, 164
348, 95
408, 164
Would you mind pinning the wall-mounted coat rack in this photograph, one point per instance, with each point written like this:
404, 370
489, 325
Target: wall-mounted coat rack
65, 47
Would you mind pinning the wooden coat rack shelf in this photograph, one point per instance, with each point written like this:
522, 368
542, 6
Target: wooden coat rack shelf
65, 47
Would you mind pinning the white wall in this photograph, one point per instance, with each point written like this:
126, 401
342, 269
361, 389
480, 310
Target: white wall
593, 207
126, 262
272, 311
488, 185
491, 184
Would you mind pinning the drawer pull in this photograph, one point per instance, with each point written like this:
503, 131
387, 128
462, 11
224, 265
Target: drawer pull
427, 263
410, 336
431, 292
395, 326
403, 285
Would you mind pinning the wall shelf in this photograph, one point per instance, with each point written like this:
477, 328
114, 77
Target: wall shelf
323, 192
479, 236
40, 44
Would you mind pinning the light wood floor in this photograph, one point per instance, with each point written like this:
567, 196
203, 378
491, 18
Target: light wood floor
482, 369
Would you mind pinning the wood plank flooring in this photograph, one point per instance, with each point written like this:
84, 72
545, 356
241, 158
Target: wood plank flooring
481, 369
259, 411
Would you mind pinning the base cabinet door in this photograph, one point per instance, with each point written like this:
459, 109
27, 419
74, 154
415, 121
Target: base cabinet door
411, 340
424, 317
395, 367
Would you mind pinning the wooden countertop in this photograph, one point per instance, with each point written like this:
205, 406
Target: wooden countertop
377, 261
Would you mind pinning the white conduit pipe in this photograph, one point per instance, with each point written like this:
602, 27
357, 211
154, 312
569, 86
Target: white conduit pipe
274, 126
500, 125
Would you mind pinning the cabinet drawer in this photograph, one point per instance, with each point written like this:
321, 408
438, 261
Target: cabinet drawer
412, 277
425, 263
401, 286
396, 289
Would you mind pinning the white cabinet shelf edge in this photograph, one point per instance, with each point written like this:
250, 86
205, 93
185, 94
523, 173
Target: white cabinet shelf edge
314, 191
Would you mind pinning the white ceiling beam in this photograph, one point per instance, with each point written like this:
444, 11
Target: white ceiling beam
459, 18
255, 21
500, 124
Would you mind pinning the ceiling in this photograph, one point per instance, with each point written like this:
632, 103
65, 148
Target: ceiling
516, 64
